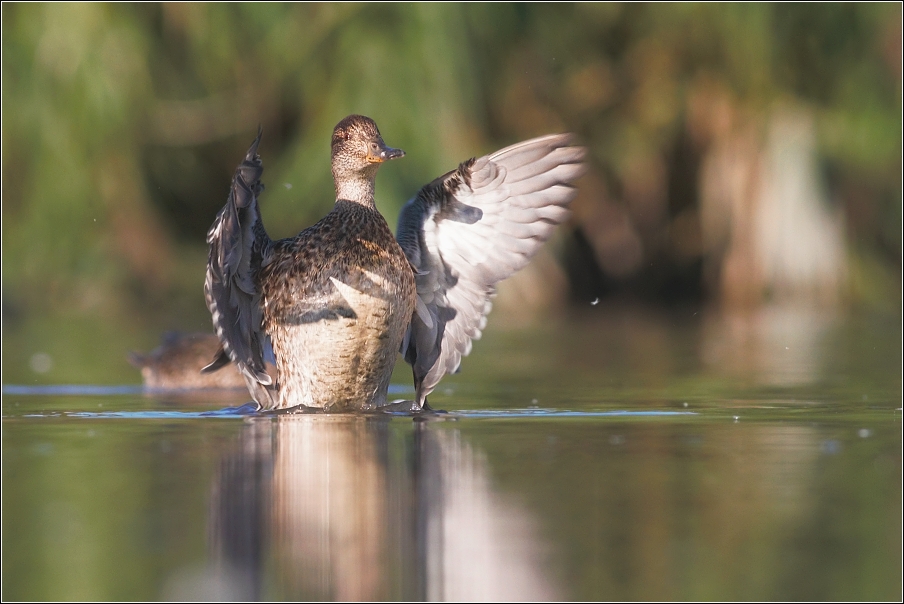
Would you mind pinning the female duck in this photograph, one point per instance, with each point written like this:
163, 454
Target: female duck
339, 300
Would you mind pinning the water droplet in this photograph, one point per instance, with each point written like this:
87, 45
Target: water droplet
831, 447
40, 362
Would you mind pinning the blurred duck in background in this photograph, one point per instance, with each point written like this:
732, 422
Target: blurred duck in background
176, 364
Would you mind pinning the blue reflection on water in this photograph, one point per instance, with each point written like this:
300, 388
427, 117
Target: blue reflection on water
83, 389
242, 411
534, 412
249, 409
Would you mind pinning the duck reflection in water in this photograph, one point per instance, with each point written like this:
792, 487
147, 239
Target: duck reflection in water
362, 508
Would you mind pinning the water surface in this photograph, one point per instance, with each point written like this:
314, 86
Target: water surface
612, 456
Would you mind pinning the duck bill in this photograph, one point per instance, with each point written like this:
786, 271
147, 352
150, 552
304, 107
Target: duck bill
385, 154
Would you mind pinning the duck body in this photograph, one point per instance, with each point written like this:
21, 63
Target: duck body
337, 300
337, 303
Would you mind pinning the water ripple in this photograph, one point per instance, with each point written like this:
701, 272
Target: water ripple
92, 390
535, 412
250, 409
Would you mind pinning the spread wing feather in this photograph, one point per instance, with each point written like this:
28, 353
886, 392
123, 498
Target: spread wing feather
239, 246
471, 228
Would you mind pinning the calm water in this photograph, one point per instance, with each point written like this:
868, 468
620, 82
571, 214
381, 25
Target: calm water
614, 456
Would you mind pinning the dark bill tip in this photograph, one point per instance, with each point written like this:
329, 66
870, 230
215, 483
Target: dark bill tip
388, 153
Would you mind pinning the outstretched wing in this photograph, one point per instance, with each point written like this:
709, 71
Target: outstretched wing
239, 246
470, 229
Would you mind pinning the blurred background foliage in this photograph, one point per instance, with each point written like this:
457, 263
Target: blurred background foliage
739, 153
742, 156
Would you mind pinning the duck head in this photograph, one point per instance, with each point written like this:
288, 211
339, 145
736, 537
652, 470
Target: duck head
357, 152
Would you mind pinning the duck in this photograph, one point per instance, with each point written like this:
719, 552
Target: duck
176, 364
336, 304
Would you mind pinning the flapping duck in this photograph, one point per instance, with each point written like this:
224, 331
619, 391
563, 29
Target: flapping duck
336, 303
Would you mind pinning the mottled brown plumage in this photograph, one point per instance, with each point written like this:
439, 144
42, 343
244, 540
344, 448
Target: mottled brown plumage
338, 299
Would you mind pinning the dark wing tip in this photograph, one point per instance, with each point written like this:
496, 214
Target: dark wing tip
220, 360
238, 246
252, 155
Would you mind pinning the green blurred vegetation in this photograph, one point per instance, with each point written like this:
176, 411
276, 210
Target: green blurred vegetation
122, 125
